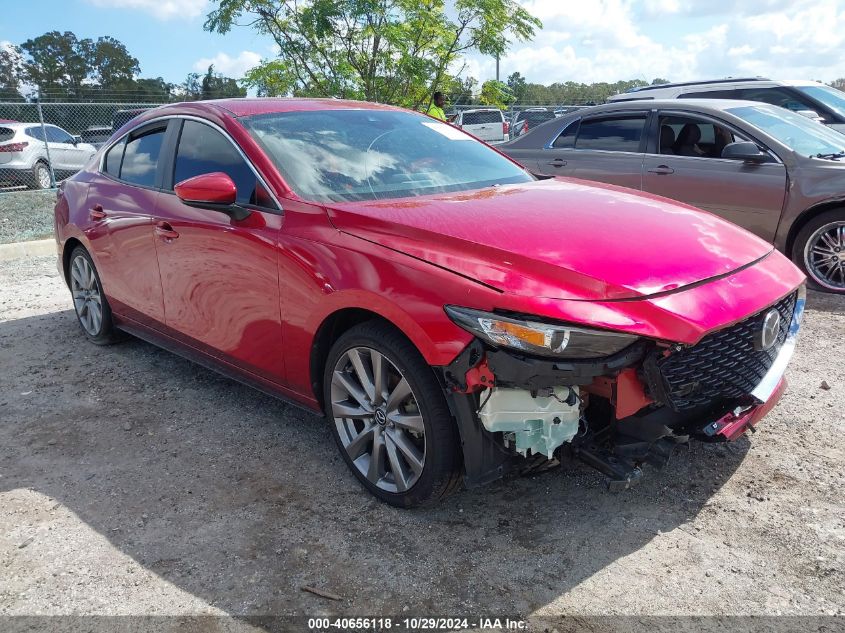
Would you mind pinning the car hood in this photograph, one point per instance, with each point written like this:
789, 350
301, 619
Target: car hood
559, 238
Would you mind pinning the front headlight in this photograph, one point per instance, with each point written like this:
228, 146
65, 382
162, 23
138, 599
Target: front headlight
543, 339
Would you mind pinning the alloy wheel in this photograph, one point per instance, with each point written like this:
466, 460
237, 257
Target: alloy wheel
378, 419
42, 174
824, 256
87, 298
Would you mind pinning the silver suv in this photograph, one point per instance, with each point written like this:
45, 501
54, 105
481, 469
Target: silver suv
810, 98
25, 155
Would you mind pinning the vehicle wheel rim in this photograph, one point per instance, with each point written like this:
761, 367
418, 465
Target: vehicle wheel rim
378, 419
43, 177
824, 256
87, 299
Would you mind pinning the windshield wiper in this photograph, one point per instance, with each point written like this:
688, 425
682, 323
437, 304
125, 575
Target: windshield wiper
832, 156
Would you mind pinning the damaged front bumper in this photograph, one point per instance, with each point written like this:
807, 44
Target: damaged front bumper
614, 413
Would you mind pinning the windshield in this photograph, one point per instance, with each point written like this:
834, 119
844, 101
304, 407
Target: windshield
831, 97
797, 132
349, 155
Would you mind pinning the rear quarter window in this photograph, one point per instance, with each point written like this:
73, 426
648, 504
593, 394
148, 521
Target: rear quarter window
6, 134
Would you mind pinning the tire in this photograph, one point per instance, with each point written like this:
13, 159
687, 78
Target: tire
89, 302
40, 178
819, 250
407, 455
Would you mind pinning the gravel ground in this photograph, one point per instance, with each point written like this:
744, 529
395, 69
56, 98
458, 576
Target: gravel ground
134, 482
26, 215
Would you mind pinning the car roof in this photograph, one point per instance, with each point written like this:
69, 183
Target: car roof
267, 105
480, 110
703, 106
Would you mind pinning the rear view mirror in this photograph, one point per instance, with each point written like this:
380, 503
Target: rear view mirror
744, 151
215, 191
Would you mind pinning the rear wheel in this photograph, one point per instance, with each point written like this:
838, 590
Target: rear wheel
820, 250
92, 309
40, 178
389, 417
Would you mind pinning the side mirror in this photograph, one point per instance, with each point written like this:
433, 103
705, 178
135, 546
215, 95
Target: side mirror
76, 140
214, 191
745, 151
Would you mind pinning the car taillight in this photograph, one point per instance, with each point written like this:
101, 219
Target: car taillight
506, 127
13, 147
524, 127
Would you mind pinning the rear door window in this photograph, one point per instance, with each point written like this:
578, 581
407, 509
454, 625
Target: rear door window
140, 158
203, 150
35, 132
612, 134
480, 118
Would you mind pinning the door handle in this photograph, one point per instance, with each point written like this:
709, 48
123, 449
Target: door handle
662, 169
165, 231
97, 213
557, 162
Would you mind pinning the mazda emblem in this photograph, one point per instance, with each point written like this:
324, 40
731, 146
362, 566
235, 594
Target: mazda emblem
767, 336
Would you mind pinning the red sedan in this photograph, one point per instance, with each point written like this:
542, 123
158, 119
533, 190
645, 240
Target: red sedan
454, 317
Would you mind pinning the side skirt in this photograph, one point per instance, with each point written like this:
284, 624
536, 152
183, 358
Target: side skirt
216, 365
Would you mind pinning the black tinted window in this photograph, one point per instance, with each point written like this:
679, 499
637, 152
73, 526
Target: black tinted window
478, 118
566, 138
35, 132
203, 150
140, 160
6, 134
58, 135
711, 94
614, 135
788, 99
111, 165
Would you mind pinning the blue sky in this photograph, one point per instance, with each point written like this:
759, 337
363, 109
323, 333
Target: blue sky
590, 40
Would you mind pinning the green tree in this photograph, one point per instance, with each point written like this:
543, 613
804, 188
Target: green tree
57, 64
111, 65
211, 85
517, 84
11, 73
659, 82
393, 51
495, 93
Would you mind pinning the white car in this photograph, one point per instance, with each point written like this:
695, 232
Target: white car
25, 157
812, 99
487, 124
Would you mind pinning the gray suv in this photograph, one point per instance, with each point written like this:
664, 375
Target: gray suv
769, 170
810, 98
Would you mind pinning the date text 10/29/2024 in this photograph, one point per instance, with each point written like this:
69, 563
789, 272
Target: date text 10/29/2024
414, 624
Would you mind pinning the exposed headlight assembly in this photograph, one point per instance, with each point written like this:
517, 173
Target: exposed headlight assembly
542, 339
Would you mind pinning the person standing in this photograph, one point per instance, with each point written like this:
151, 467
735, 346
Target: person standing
436, 108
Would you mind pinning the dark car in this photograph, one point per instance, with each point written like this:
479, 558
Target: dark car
528, 119
449, 313
96, 135
772, 171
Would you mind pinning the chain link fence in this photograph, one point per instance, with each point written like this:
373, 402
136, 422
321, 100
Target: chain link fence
43, 143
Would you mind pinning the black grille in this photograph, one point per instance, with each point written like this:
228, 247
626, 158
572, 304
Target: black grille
723, 365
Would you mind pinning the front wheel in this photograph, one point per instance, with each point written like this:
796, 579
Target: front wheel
389, 417
820, 250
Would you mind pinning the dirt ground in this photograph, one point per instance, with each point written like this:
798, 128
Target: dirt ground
134, 482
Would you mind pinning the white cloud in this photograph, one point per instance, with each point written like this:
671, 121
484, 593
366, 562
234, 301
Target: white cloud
161, 9
609, 40
230, 66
